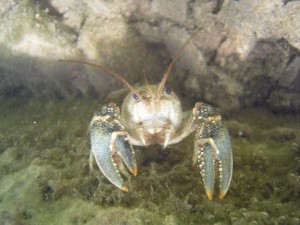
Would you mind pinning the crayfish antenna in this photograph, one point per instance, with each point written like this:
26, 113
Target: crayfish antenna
147, 84
167, 73
106, 69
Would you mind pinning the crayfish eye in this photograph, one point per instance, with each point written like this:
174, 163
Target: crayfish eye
135, 96
168, 90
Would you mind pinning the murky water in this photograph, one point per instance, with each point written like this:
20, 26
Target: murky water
45, 176
241, 53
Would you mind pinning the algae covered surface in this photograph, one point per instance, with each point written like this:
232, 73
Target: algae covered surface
45, 177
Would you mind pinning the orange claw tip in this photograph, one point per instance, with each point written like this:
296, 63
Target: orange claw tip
222, 194
215, 118
124, 188
134, 171
209, 194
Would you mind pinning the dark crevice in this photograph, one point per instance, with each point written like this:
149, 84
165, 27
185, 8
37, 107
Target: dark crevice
285, 2
218, 7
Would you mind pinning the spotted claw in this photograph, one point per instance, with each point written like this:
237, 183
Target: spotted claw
110, 147
212, 150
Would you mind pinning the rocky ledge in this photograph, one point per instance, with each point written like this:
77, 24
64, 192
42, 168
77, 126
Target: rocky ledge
244, 53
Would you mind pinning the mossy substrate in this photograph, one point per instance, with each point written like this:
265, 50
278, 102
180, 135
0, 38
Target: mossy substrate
45, 178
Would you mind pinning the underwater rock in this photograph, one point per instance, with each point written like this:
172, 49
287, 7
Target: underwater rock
280, 100
34, 36
242, 54
248, 42
175, 10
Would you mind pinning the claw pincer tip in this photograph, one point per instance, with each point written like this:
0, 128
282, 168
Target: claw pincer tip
209, 195
124, 188
222, 194
134, 171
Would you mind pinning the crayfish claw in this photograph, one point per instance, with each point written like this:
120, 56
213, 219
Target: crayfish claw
212, 151
110, 146
126, 152
224, 160
206, 162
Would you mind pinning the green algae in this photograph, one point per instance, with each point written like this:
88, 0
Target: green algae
45, 178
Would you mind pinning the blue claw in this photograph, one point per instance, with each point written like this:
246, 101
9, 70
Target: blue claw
224, 159
110, 146
206, 163
213, 150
